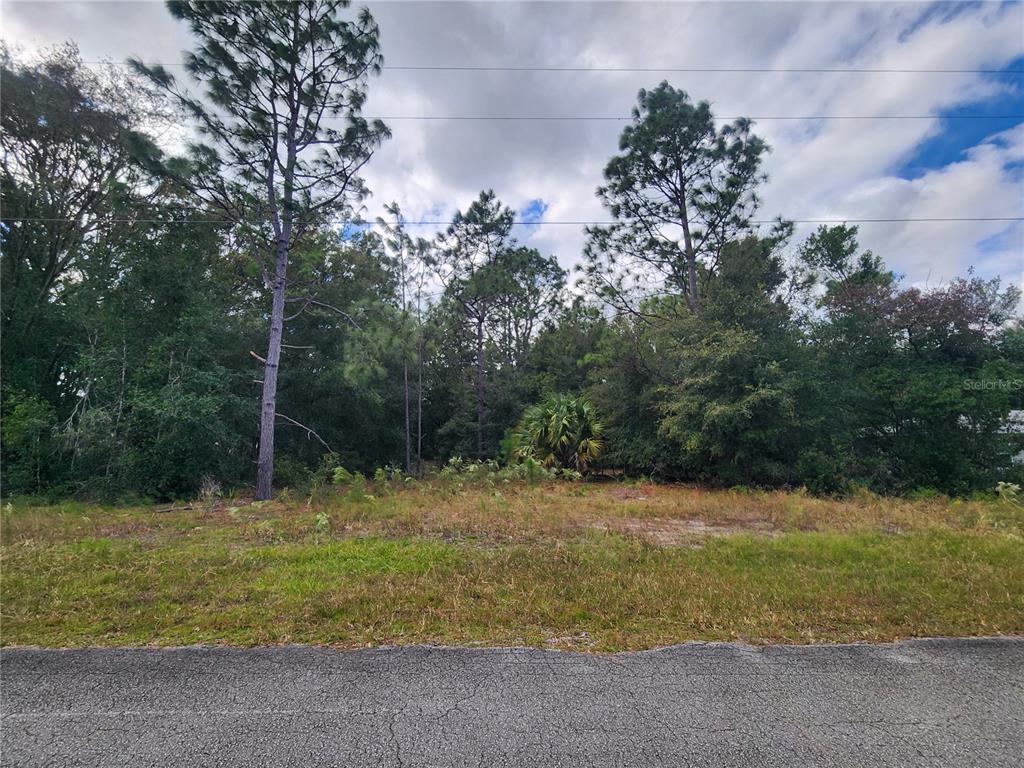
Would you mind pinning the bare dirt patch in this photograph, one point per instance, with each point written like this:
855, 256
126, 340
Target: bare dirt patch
671, 532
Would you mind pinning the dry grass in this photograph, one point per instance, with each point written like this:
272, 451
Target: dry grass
602, 566
510, 513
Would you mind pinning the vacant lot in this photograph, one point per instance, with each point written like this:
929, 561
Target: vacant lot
600, 566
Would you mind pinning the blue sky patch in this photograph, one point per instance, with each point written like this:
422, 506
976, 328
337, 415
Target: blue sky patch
532, 212
941, 12
955, 136
350, 231
1006, 240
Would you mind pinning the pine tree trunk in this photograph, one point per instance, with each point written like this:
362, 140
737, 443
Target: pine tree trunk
691, 267
408, 430
691, 258
268, 406
480, 388
282, 218
419, 406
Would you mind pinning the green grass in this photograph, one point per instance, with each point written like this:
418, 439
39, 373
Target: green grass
515, 570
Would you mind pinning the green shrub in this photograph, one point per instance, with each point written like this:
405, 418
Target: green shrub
562, 432
342, 476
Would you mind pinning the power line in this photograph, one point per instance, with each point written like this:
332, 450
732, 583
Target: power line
744, 117
935, 219
623, 118
753, 221
641, 70
714, 70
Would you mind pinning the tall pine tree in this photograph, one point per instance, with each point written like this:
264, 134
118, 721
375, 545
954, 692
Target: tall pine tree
283, 84
680, 189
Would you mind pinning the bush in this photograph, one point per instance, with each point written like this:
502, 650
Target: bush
459, 473
27, 443
823, 474
342, 476
562, 432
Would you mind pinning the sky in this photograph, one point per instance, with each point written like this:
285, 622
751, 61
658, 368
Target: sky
950, 165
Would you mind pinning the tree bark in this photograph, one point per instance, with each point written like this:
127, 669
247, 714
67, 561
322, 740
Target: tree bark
283, 230
408, 429
480, 387
691, 257
268, 405
405, 355
419, 404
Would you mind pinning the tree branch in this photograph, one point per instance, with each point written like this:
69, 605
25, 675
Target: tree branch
310, 432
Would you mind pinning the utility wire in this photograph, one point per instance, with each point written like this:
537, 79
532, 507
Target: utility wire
713, 70
358, 224
694, 70
745, 117
615, 118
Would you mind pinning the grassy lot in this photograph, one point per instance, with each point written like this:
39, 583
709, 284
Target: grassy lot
593, 566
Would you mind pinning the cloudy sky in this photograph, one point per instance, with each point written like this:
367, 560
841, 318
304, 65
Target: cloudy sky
939, 167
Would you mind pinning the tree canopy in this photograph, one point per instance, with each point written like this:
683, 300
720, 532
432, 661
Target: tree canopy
680, 190
169, 321
276, 77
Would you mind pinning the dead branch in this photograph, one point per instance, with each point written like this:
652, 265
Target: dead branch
309, 430
309, 300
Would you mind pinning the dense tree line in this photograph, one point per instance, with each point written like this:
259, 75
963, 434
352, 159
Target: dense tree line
147, 298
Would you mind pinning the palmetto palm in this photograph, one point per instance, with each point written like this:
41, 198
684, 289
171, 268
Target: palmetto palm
562, 431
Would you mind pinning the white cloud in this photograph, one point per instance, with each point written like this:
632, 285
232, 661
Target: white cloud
818, 169
981, 185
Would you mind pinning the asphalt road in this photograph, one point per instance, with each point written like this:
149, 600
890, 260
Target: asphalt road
922, 703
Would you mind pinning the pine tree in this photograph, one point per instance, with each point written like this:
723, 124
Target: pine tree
679, 191
282, 87
468, 265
